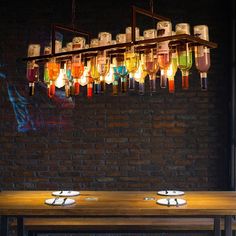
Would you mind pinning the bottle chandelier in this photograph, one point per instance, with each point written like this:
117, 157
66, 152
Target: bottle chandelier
124, 62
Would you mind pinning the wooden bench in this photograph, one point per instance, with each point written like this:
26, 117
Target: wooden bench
118, 224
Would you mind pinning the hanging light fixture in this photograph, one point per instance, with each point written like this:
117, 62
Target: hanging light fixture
123, 62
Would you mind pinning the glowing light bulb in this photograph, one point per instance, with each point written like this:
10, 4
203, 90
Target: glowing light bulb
60, 82
138, 74
109, 78
84, 79
171, 71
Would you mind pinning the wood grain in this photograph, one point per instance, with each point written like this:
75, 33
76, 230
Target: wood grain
31, 203
120, 223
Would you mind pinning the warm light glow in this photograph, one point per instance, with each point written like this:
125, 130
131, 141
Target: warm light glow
84, 79
132, 60
162, 72
60, 82
109, 78
170, 72
140, 74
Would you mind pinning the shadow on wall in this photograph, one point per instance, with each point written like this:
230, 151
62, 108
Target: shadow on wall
30, 115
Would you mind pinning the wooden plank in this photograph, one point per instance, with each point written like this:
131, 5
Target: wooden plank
117, 204
118, 223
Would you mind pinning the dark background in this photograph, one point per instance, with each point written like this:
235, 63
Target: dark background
130, 142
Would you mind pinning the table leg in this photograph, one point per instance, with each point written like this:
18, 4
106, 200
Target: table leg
20, 226
228, 225
217, 231
4, 225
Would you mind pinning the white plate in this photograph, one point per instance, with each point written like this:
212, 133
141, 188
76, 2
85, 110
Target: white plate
171, 201
170, 193
59, 201
66, 193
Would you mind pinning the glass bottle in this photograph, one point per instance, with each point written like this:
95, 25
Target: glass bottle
202, 54
151, 67
32, 73
120, 38
141, 74
94, 43
184, 55
131, 64
151, 63
104, 38
68, 79
128, 32
120, 74
47, 50
77, 71
78, 43
103, 66
53, 71
109, 78
164, 28
172, 70
32, 76
89, 79
95, 76
60, 82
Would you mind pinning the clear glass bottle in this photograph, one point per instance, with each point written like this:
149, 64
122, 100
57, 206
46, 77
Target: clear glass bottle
131, 64
202, 55
164, 28
141, 74
151, 63
60, 82
104, 38
184, 55
103, 66
128, 32
151, 67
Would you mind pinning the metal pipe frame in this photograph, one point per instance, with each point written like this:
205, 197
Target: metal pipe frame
67, 29
175, 39
144, 12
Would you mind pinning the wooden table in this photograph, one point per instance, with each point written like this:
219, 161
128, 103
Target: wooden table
130, 204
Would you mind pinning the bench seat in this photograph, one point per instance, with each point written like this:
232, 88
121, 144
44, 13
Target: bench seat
119, 224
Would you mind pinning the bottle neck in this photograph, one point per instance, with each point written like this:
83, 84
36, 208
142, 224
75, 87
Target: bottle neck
203, 75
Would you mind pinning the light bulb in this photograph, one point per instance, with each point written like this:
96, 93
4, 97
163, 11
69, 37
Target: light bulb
109, 78
84, 79
60, 82
138, 74
170, 71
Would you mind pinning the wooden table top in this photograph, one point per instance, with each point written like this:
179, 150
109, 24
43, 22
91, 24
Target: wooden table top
117, 203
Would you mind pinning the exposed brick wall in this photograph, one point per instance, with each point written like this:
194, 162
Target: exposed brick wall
114, 143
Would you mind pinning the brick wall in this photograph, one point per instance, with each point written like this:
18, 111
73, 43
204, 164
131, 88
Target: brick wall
114, 143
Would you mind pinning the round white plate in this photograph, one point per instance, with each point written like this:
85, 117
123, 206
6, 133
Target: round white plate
170, 193
171, 201
61, 201
66, 193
